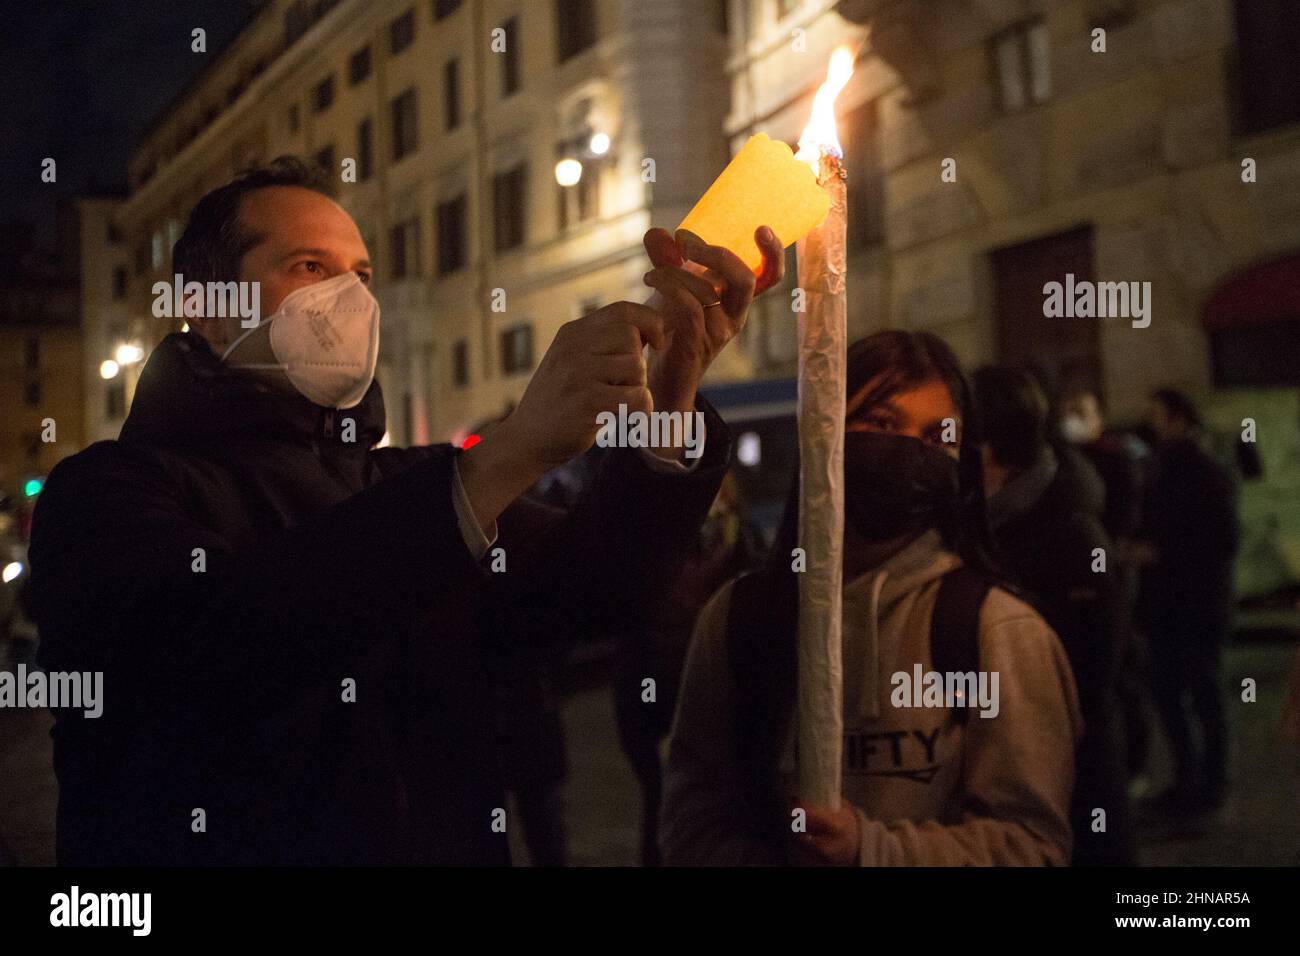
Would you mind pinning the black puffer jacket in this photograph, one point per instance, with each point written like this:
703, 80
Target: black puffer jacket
1049, 545
323, 561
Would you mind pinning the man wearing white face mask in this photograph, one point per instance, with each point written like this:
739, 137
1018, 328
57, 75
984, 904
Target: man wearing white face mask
293, 624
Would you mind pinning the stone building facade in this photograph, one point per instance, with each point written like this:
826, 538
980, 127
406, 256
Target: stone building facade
1149, 141
455, 113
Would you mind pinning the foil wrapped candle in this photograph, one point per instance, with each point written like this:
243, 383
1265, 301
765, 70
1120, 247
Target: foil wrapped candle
763, 185
822, 350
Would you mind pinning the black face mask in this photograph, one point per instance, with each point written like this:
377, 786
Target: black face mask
896, 484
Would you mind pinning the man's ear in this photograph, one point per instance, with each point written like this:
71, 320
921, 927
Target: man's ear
210, 329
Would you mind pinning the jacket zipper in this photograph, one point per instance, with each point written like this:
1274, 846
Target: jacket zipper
325, 453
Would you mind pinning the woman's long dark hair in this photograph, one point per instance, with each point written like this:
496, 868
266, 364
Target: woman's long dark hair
903, 361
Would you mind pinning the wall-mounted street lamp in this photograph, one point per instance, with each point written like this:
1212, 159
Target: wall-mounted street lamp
128, 354
108, 369
568, 172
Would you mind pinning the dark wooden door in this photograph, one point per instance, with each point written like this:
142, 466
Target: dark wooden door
1068, 349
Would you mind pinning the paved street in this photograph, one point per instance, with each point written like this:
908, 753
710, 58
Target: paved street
1259, 825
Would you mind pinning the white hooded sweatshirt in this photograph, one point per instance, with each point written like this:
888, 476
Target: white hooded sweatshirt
927, 790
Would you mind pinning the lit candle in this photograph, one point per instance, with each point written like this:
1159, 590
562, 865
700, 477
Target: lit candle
822, 349
801, 197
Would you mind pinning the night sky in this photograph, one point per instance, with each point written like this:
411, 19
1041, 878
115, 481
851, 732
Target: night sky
82, 79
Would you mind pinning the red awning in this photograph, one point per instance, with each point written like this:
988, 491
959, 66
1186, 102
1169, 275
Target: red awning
1262, 294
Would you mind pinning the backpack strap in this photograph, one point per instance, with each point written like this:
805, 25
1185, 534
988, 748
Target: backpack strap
955, 625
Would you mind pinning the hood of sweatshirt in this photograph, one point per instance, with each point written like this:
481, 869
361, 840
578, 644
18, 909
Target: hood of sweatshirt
871, 598
186, 394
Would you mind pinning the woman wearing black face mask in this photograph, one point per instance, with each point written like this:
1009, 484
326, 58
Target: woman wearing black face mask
960, 713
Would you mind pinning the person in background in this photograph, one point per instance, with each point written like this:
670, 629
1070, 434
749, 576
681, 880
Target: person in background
727, 545
1051, 543
1118, 458
1189, 537
943, 784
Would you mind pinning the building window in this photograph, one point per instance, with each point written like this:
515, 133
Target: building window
451, 235
323, 94
365, 149
325, 159
451, 93
444, 8
31, 355
156, 249
575, 27
510, 57
359, 66
1266, 65
293, 118
516, 349
405, 249
508, 196
119, 283
404, 124
581, 201
1023, 71
32, 392
460, 364
402, 31
141, 259
112, 233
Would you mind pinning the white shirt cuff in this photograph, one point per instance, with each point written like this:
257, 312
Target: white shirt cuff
673, 466
476, 540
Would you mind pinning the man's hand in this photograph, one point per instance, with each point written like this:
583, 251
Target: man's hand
832, 838
705, 308
594, 364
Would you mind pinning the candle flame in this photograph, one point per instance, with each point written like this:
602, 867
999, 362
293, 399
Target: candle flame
820, 134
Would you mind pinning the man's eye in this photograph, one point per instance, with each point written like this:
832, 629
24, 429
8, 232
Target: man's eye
311, 266
880, 422
364, 277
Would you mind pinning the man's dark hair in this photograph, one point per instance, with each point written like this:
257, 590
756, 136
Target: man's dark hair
1177, 405
214, 241
1013, 414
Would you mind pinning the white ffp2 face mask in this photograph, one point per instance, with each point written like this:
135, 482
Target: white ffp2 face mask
325, 337
1075, 430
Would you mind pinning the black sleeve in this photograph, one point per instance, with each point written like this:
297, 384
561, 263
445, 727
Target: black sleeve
1092, 613
606, 563
114, 587
1191, 511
